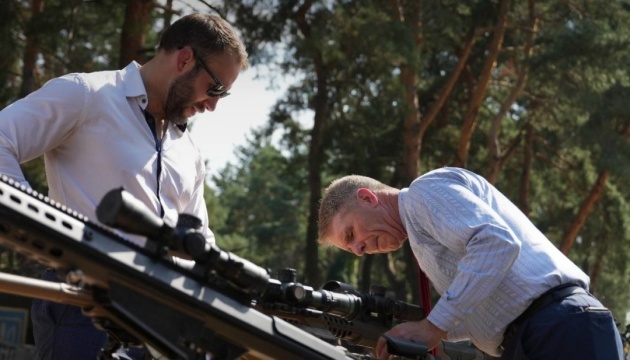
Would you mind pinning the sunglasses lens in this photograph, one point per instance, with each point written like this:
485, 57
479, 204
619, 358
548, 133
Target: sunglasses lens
218, 92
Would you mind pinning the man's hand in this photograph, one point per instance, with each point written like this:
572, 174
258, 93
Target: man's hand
422, 331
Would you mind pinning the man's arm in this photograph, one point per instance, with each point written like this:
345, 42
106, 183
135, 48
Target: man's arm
38, 123
474, 250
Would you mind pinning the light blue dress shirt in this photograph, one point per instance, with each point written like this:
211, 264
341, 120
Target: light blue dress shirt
483, 256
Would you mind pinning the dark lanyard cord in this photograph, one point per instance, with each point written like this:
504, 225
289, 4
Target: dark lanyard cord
158, 148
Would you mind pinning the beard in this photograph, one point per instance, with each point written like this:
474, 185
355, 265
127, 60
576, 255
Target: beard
179, 95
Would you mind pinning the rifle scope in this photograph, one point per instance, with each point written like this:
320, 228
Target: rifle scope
340, 299
120, 209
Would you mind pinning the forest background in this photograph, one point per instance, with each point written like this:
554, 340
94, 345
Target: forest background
531, 94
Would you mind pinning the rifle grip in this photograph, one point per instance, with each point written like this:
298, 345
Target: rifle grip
405, 347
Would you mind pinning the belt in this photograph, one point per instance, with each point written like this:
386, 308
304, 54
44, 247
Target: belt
554, 294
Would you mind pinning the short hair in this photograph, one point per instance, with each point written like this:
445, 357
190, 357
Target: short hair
207, 34
337, 199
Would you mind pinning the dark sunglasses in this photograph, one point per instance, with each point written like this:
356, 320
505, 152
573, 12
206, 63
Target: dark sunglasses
218, 90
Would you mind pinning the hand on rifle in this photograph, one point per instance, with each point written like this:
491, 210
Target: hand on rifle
423, 331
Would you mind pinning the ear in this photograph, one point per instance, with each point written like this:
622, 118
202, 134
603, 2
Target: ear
185, 57
367, 197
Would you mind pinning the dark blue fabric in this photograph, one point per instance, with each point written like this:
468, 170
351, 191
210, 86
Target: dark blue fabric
567, 330
62, 332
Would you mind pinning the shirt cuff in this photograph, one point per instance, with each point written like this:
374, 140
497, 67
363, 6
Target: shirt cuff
445, 316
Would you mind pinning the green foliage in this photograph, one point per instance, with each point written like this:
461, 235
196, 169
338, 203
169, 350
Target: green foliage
265, 201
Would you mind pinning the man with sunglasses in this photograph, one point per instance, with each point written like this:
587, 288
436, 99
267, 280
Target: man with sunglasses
126, 128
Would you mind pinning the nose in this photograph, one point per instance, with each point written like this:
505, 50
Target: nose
357, 248
211, 103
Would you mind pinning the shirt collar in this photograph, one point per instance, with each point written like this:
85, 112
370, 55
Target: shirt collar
134, 87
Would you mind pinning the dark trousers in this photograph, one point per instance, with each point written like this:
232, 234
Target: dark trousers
576, 327
62, 332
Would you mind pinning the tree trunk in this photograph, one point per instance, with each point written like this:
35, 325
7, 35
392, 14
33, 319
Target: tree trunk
133, 36
445, 92
29, 63
410, 16
594, 275
8, 40
311, 271
595, 194
494, 144
167, 16
526, 170
479, 93
411, 125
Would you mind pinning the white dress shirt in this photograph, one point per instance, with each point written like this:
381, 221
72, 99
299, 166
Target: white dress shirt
94, 136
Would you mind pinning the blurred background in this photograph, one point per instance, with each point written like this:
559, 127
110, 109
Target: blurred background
531, 94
